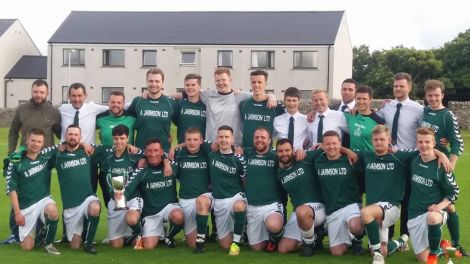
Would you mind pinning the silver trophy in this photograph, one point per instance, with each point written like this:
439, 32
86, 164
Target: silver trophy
118, 185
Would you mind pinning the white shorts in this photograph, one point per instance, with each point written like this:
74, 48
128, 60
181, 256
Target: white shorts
223, 211
291, 229
189, 209
117, 225
337, 224
31, 215
390, 217
418, 228
73, 217
256, 217
153, 225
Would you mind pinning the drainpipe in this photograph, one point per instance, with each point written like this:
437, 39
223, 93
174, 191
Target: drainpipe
6, 92
328, 73
50, 70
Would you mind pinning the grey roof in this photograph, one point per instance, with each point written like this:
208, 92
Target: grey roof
201, 28
29, 67
5, 24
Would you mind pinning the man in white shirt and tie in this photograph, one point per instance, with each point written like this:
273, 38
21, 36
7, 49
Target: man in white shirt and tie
348, 102
325, 119
292, 124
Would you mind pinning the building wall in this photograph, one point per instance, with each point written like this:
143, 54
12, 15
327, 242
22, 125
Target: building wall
18, 91
14, 43
342, 59
132, 76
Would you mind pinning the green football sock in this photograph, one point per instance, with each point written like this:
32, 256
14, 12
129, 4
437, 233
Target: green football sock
454, 228
91, 228
275, 237
174, 229
372, 230
51, 230
240, 218
201, 224
137, 228
434, 237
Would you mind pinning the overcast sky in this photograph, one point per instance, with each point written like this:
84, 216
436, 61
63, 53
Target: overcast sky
379, 24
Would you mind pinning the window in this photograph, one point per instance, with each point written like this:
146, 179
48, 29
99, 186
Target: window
269, 91
224, 58
149, 58
188, 57
179, 90
306, 94
113, 57
65, 94
20, 102
106, 92
262, 59
77, 57
306, 59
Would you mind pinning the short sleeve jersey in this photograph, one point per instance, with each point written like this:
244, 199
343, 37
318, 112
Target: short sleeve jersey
226, 172
360, 130
153, 119
189, 114
299, 181
106, 121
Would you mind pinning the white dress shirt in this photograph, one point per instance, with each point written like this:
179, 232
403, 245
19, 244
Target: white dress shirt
281, 128
411, 115
350, 105
332, 120
87, 119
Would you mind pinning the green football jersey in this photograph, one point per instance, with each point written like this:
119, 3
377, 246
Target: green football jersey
189, 114
106, 121
338, 182
256, 114
153, 119
360, 130
111, 166
193, 171
157, 190
385, 175
74, 172
445, 125
299, 181
227, 172
429, 185
30, 179
262, 184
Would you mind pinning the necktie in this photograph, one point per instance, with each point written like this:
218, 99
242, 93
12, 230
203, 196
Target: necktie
343, 108
395, 124
75, 118
320, 130
290, 133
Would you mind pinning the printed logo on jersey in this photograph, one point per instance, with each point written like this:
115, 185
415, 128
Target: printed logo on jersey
380, 166
421, 180
73, 163
154, 113
332, 171
293, 175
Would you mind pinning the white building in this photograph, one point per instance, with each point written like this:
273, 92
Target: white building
113, 50
14, 44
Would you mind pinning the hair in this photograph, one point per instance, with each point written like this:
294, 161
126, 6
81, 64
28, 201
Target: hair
350, 80
379, 129
365, 89
425, 131
331, 133
403, 76
319, 91
292, 92
431, 85
263, 128
153, 141
193, 76
40, 82
155, 71
283, 141
260, 72
76, 86
73, 126
117, 93
37, 132
222, 70
120, 130
193, 130
225, 127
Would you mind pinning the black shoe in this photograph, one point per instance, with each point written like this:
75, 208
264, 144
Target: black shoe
10, 240
357, 247
462, 251
170, 242
129, 240
199, 248
271, 247
89, 248
307, 250
212, 237
40, 239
